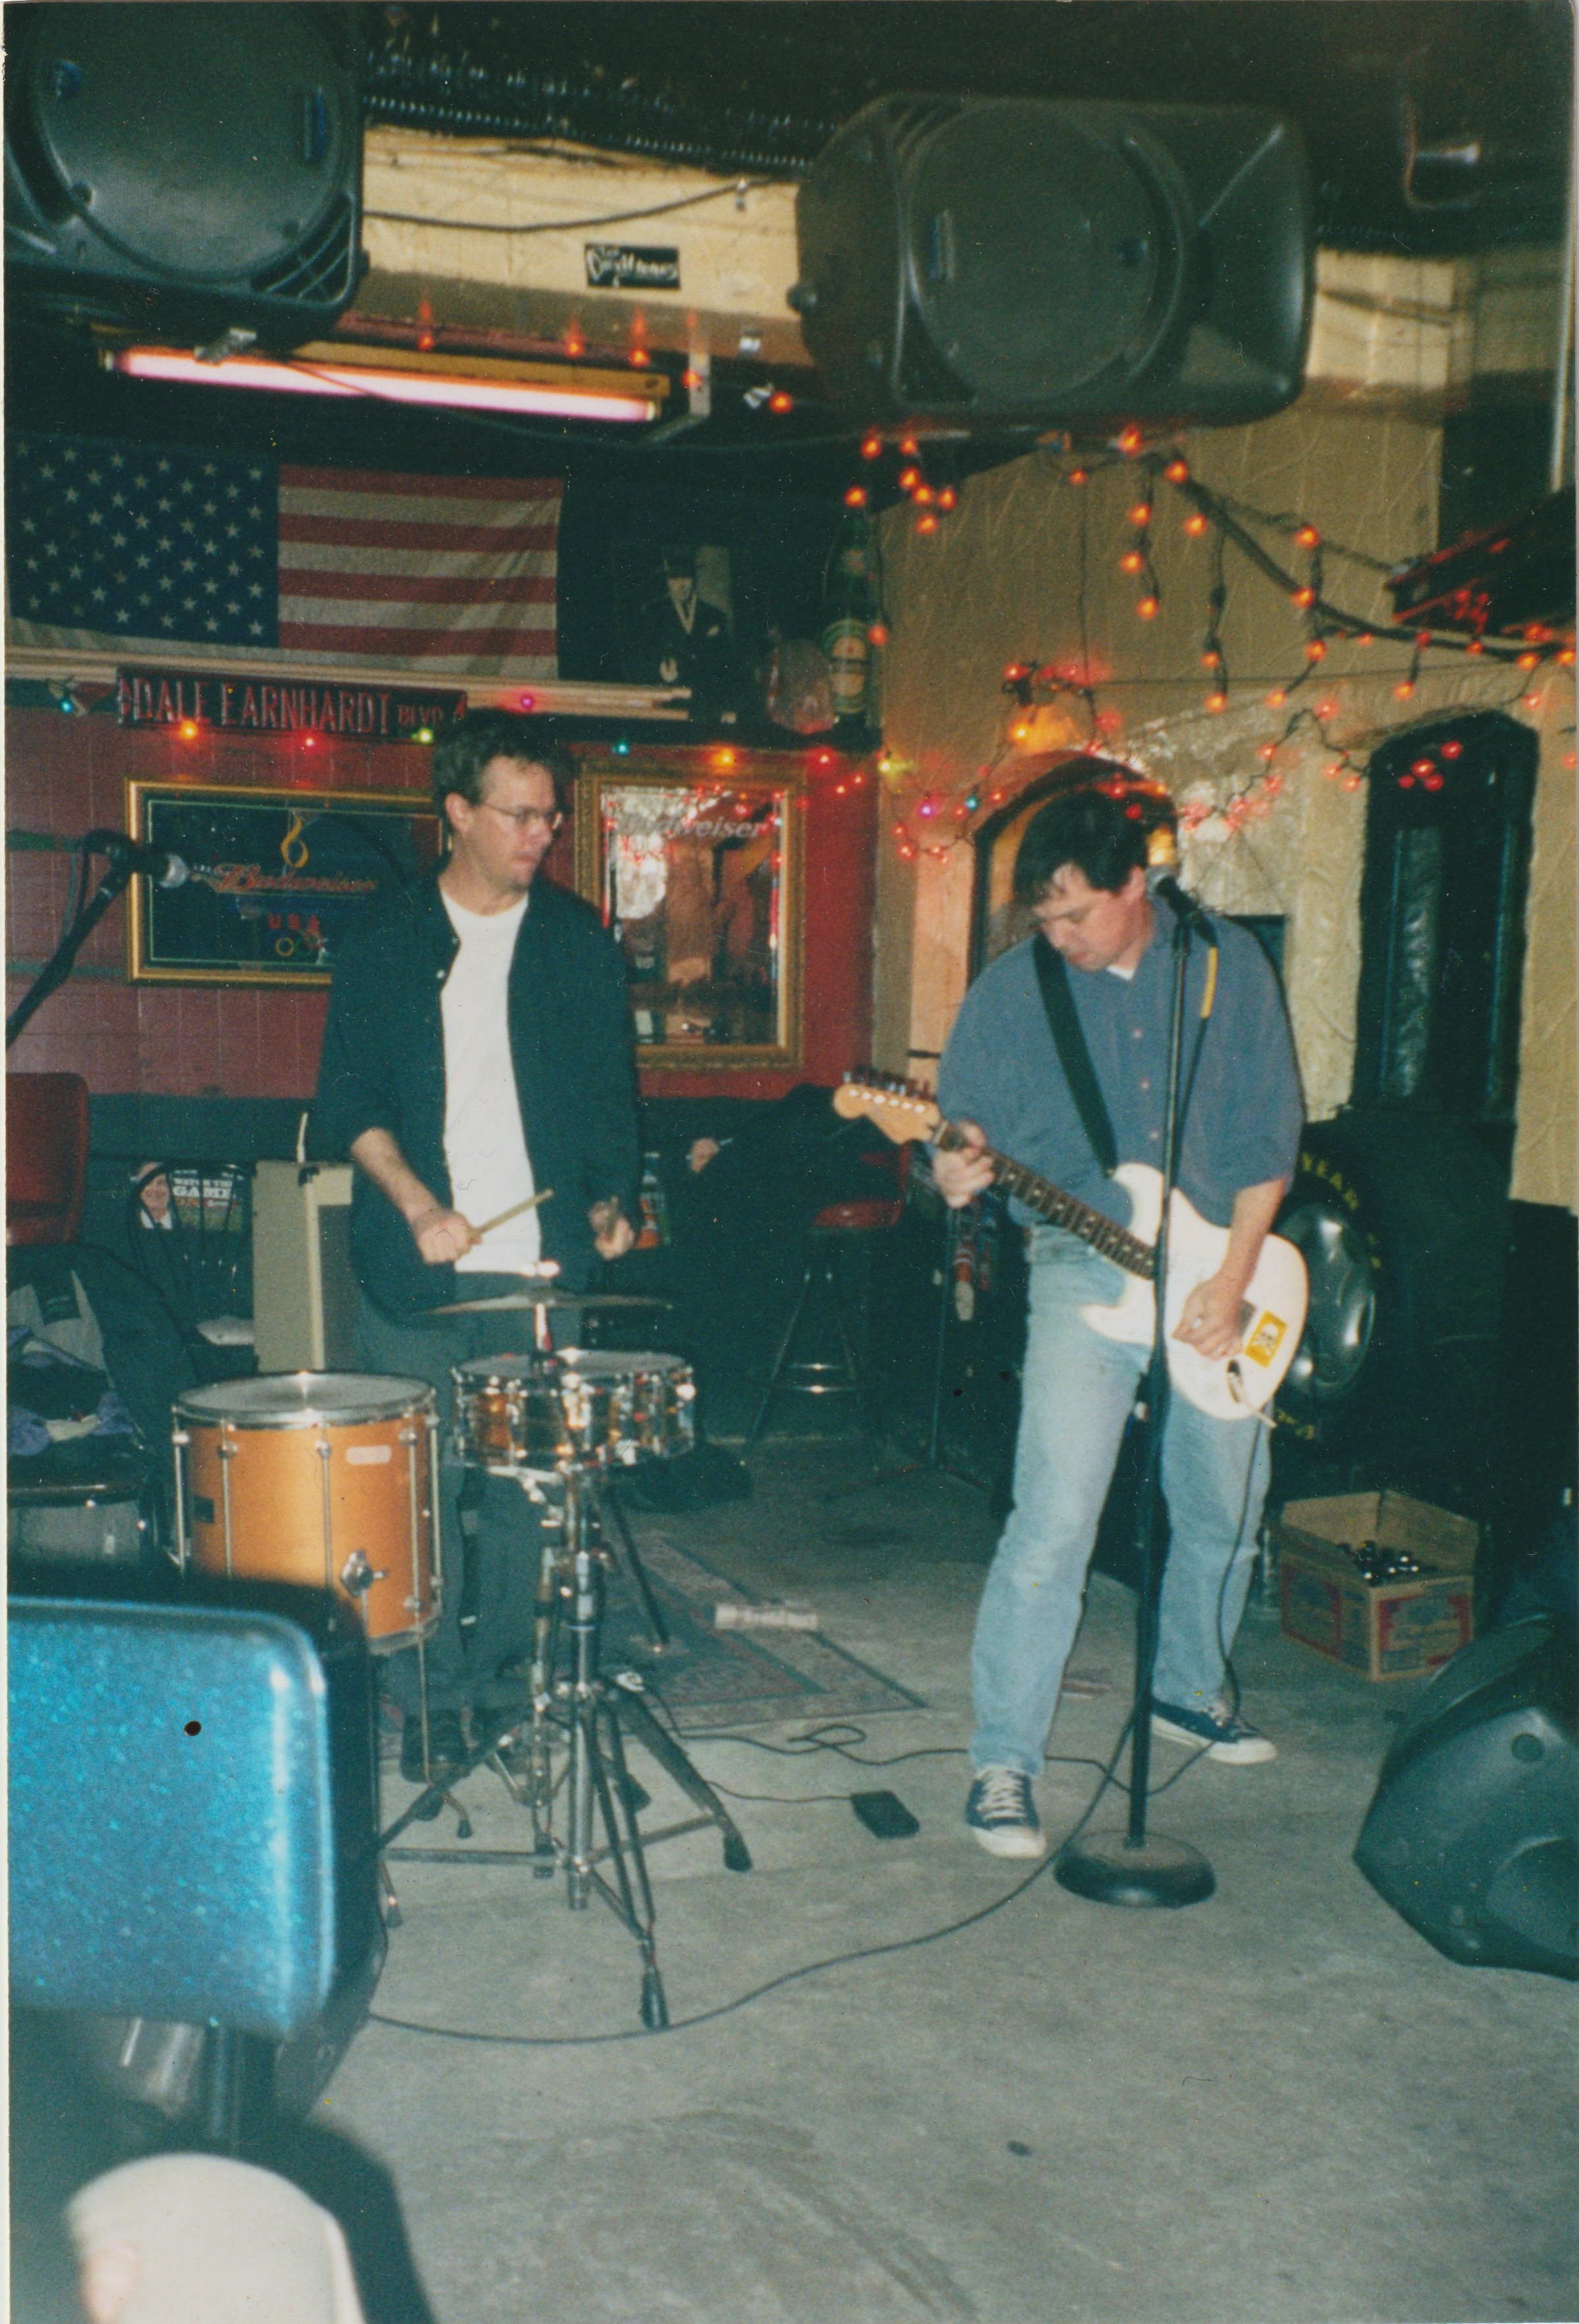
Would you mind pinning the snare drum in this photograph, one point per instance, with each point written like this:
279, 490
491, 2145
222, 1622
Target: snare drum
509, 1415
632, 1405
329, 1478
539, 1412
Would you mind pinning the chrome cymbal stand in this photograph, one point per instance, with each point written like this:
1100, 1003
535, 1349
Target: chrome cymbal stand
623, 1692
580, 1719
598, 1773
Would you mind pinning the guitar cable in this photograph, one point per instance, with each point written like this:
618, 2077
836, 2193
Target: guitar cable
827, 1738
787, 1977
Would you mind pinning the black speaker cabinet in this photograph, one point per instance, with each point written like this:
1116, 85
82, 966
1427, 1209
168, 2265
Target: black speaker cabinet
181, 170
986, 261
1448, 838
1473, 1834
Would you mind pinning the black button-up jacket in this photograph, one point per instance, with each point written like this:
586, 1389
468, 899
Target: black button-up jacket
382, 1068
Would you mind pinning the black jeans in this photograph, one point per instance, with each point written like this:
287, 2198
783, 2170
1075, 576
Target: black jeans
498, 1543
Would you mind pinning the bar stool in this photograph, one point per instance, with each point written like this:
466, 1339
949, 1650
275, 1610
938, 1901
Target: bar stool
833, 1229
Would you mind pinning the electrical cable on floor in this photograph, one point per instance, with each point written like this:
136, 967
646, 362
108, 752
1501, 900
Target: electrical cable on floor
837, 1736
788, 1977
827, 1737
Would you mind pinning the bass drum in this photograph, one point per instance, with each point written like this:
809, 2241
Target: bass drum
1402, 1220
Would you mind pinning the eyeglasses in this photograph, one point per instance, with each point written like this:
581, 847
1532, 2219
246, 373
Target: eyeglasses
525, 817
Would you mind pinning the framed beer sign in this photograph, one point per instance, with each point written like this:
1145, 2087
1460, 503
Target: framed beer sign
266, 883
699, 876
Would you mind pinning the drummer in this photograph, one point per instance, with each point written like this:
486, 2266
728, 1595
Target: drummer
477, 1053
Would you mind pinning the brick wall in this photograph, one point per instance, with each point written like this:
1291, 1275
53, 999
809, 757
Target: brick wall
66, 775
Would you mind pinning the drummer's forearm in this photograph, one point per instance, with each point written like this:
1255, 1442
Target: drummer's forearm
377, 1152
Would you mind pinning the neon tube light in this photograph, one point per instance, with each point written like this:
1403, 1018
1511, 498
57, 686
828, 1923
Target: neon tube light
385, 386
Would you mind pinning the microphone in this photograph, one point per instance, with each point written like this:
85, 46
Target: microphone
1161, 864
129, 856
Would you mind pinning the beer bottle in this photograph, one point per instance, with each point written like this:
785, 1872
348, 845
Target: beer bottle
847, 617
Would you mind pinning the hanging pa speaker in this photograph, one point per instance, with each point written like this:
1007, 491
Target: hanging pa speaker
181, 170
985, 262
1473, 1834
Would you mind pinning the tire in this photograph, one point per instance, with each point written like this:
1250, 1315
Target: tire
1402, 1221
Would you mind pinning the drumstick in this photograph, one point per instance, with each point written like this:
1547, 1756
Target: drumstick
504, 1217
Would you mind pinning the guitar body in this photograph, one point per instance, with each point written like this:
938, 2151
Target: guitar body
1272, 1317
1274, 1303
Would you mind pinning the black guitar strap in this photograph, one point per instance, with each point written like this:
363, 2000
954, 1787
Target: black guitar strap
1073, 1054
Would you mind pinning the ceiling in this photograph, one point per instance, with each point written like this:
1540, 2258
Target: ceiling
1433, 126
1482, 88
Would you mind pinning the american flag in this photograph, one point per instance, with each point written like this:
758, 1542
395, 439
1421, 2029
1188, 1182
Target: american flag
455, 572
109, 543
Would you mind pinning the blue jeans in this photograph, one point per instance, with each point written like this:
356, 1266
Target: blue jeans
1079, 1392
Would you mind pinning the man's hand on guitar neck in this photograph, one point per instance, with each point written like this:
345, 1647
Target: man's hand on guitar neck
962, 1172
1209, 1320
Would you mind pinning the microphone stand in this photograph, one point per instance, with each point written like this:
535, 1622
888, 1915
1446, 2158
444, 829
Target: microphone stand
59, 967
1138, 1868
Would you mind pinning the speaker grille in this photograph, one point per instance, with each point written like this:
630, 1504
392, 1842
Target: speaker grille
325, 269
1032, 261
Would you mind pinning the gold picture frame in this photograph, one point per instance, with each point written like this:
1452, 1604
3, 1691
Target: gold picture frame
271, 877
696, 860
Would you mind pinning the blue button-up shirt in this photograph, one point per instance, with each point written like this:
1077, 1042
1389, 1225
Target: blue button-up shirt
1001, 1069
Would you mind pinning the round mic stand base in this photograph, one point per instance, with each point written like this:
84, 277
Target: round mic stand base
1108, 1867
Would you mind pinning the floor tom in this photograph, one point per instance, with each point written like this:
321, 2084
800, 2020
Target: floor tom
327, 1479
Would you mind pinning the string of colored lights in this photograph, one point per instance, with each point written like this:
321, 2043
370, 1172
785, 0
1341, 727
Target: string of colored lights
946, 814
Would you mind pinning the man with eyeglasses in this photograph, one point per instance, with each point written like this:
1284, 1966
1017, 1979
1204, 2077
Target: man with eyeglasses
477, 1053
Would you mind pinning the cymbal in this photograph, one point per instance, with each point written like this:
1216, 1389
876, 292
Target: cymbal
516, 1302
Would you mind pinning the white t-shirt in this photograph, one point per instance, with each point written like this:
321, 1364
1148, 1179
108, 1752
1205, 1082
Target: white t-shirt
490, 1169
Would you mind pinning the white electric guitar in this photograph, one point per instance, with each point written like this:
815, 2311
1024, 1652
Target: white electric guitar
1229, 1388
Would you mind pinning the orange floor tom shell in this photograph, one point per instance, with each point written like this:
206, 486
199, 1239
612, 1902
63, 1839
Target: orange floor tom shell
325, 1478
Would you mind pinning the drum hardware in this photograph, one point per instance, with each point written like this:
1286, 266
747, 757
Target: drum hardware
527, 1417
557, 1425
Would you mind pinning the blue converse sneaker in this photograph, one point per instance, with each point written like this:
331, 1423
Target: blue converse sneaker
1002, 1816
1226, 1736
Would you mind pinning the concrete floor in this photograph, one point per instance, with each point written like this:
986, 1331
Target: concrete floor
1280, 2107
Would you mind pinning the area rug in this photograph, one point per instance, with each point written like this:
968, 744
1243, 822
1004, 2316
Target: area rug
707, 1678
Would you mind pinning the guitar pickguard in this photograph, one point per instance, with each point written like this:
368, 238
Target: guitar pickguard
1229, 1388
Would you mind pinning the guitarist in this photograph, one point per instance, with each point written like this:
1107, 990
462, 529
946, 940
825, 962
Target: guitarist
1056, 1103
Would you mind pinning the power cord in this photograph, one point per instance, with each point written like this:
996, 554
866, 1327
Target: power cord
839, 1737
788, 1977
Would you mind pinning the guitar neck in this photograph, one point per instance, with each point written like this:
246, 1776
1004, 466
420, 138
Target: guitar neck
1062, 1210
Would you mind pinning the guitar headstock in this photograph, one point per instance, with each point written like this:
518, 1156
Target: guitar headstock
899, 1109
